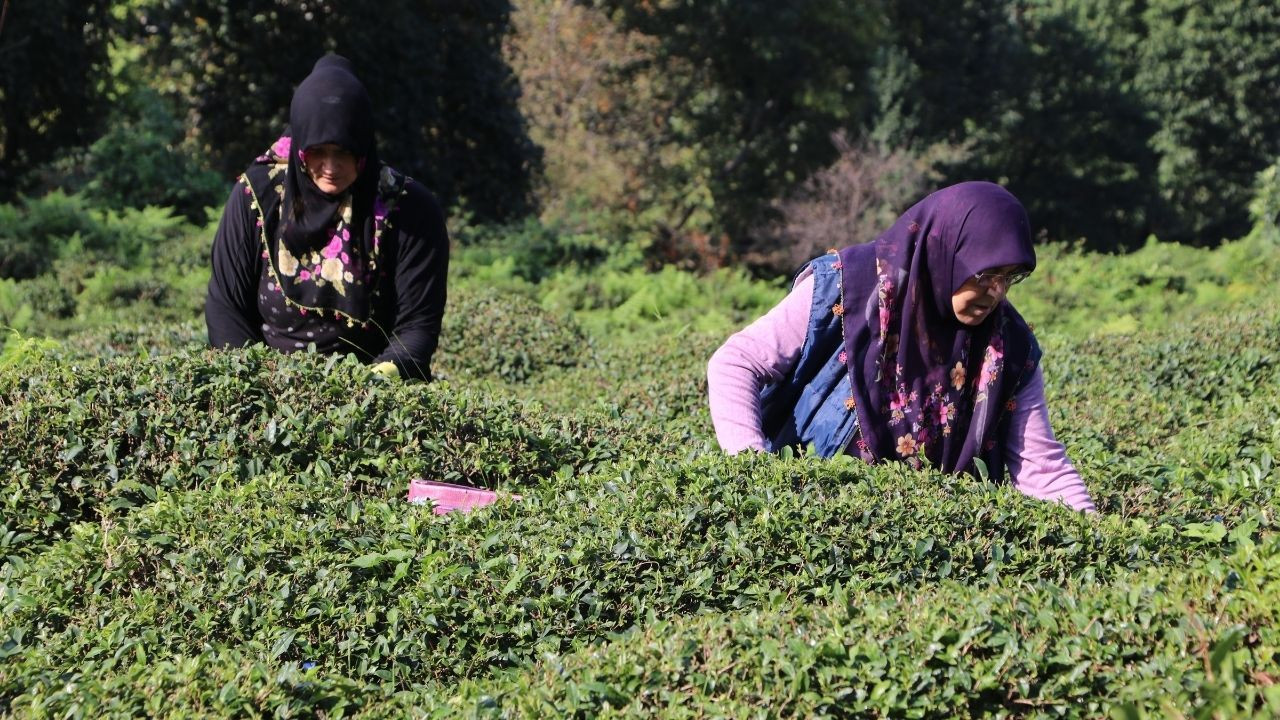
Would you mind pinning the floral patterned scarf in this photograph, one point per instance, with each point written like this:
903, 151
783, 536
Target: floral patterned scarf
927, 388
321, 249
339, 277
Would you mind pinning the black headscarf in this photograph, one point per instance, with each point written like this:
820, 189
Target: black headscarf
330, 106
322, 250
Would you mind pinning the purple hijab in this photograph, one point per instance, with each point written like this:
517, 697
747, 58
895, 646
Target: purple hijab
929, 389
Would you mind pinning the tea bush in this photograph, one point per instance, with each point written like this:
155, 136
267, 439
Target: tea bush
505, 336
105, 436
396, 595
1201, 642
38, 231
1156, 285
187, 532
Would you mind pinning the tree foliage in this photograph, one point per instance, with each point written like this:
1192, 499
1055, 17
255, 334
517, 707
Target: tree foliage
1040, 102
752, 92
445, 100
1111, 119
47, 105
596, 132
1210, 73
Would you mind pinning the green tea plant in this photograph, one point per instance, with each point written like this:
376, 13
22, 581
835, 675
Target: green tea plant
189, 532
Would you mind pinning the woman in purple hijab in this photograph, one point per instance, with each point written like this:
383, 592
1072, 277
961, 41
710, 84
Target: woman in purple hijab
906, 349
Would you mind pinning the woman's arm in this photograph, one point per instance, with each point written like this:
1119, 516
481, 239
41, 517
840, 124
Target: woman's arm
764, 352
422, 263
1037, 462
231, 305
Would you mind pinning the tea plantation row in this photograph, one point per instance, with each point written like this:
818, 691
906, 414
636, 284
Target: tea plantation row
193, 533
225, 534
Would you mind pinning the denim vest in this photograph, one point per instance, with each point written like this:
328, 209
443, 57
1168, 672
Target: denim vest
808, 406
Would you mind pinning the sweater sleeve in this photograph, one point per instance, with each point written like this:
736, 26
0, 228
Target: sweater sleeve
1037, 462
231, 306
422, 264
764, 352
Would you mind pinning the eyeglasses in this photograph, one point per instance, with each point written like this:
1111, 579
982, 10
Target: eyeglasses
987, 278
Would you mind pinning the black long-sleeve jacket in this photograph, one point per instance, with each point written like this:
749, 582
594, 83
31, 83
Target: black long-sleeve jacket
405, 317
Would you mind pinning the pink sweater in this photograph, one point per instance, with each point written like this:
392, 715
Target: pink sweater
766, 350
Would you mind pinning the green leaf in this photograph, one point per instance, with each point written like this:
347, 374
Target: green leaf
283, 643
981, 466
1213, 533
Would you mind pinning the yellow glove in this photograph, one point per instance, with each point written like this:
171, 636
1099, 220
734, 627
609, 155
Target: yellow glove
386, 369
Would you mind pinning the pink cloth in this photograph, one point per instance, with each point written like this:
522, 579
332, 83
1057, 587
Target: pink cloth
449, 497
767, 349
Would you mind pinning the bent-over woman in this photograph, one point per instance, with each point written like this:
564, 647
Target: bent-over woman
905, 348
321, 243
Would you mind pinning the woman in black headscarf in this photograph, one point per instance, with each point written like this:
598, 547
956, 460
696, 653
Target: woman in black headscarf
321, 244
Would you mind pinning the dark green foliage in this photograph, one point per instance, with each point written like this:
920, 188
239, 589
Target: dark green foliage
37, 232
1110, 119
1201, 640
67, 267
102, 438
505, 336
193, 531
141, 160
51, 53
754, 89
397, 595
1039, 99
1210, 73
443, 97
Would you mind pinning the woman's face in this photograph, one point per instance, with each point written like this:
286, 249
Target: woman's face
975, 299
331, 168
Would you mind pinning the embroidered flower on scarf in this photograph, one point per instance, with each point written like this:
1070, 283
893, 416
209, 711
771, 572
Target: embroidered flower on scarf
844, 357
945, 413
837, 310
850, 403
957, 376
334, 248
331, 269
906, 446
991, 364
287, 263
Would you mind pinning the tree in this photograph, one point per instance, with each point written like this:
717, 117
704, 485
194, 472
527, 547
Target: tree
51, 54
1043, 107
752, 90
445, 100
597, 133
1211, 74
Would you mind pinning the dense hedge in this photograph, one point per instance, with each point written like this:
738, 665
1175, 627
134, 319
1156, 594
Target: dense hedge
505, 336
184, 532
100, 437
298, 566
1201, 641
